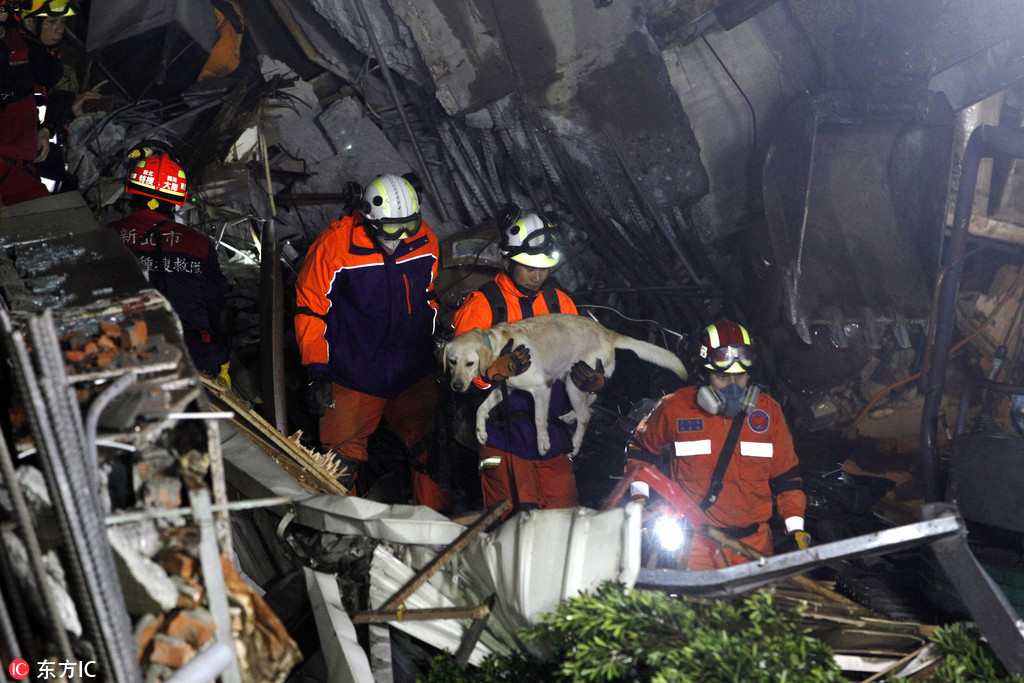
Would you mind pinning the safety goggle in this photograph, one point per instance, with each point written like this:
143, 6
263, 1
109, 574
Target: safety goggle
724, 357
55, 8
544, 241
397, 228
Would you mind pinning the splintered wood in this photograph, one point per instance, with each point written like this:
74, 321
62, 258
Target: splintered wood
317, 472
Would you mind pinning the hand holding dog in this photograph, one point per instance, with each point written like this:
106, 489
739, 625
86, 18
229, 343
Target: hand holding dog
587, 378
511, 363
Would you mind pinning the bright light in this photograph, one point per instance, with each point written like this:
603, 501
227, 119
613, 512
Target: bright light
669, 532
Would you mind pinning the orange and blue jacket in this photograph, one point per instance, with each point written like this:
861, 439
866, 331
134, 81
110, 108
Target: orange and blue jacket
511, 427
366, 318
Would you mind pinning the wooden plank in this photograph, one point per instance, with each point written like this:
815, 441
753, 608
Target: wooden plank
320, 469
380, 616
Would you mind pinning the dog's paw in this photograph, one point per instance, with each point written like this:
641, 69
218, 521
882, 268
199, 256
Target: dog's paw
481, 434
543, 443
568, 418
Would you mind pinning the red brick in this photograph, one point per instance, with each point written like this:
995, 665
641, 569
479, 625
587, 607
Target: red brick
195, 626
171, 651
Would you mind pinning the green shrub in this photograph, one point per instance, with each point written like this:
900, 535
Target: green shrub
638, 635
967, 659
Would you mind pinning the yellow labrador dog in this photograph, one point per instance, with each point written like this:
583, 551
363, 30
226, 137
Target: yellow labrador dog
556, 341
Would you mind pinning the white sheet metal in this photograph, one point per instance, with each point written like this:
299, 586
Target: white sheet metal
532, 562
388, 574
539, 558
256, 475
346, 661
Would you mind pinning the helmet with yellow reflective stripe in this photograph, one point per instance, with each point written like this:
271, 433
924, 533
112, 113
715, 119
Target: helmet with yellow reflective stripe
391, 207
156, 175
45, 8
532, 240
726, 346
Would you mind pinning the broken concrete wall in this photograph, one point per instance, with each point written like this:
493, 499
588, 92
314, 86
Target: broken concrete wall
733, 108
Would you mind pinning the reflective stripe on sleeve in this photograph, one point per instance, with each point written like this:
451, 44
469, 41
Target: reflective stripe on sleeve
756, 449
492, 461
701, 447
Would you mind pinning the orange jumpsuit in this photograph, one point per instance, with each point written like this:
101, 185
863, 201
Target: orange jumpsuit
763, 467
510, 466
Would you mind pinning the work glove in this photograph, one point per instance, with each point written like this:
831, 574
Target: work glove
319, 394
509, 363
225, 374
348, 468
803, 539
587, 378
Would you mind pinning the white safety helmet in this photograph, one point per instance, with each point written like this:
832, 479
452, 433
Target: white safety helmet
533, 241
391, 207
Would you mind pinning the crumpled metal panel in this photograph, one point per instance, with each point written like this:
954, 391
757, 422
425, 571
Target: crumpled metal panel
388, 574
344, 657
539, 558
256, 475
531, 563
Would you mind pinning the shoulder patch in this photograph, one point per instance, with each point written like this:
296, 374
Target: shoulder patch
695, 424
759, 421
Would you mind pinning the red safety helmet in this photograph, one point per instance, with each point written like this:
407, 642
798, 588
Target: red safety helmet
725, 346
158, 176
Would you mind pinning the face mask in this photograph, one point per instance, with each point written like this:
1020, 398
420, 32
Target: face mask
732, 400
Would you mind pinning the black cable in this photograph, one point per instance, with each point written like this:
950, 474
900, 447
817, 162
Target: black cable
753, 114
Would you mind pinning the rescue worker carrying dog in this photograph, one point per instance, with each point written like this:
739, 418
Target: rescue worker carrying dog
511, 468
731, 450
365, 320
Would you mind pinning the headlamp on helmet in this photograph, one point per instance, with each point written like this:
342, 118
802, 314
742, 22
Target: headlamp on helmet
391, 208
533, 241
726, 347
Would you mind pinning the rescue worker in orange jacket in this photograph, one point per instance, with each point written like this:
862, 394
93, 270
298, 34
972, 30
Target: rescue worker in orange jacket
511, 468
365, 320
736, 489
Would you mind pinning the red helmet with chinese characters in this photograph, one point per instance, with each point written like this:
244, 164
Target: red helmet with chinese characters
158, 176
725, 346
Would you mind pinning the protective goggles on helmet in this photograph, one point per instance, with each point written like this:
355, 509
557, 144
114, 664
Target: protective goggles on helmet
396, 228
546, 241
726, 358
52, 8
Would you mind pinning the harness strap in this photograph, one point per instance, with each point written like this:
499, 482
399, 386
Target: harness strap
723, 463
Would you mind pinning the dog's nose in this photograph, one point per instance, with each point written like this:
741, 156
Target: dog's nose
456, 385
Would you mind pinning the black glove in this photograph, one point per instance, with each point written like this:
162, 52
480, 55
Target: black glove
319, 394
587, 378
348, 468
510, 363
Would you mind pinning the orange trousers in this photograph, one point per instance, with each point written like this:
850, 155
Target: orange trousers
347, 427
545, 483
707, 554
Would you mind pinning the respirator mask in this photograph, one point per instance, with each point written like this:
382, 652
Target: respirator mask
730, 401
